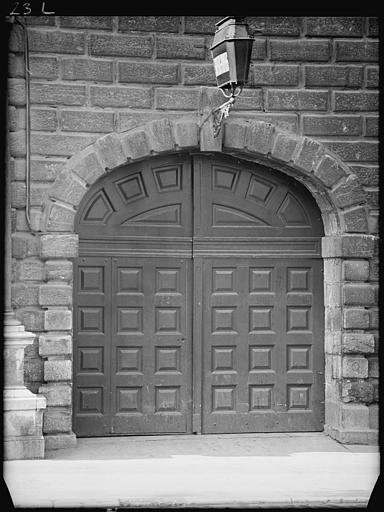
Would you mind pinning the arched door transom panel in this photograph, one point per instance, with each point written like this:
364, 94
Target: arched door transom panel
158, 198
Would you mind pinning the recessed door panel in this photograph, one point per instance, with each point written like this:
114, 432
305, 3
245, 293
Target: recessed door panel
91, 355
262, 361
151, 352
133, 356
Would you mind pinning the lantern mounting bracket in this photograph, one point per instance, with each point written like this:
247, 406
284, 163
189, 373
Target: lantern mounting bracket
222, 112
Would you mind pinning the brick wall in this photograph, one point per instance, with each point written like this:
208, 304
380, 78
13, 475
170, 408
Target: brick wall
90, 76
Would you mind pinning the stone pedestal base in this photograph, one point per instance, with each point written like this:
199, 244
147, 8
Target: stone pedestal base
23, 447
22, 421
59, 441
353, 436
351, 423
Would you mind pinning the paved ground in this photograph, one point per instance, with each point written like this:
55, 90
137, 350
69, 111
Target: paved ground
258, 470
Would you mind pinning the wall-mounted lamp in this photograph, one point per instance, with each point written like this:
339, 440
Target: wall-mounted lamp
231, 52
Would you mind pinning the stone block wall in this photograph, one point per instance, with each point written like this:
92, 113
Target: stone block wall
351, 338
94, 75
90, 76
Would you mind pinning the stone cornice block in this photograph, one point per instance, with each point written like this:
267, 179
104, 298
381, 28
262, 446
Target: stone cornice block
55, 345
59, 246
186, 133
259, 137
160, 136
136, 144
110, 151
358, 343
348, 246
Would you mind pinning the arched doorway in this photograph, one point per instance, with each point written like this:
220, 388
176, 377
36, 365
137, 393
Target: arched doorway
198, 301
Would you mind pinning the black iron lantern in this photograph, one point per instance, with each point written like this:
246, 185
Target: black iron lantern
231, 53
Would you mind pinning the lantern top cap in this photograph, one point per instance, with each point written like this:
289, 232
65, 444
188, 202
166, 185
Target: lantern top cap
237, 19
229, 29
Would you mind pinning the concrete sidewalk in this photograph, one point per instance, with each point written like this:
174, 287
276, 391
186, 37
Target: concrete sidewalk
251, 470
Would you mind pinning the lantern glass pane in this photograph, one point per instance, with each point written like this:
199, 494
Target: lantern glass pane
243, 51
221, 64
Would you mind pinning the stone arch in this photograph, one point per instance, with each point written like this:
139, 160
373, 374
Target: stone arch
335, 188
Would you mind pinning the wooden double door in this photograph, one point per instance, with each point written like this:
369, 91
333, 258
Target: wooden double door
198, 301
